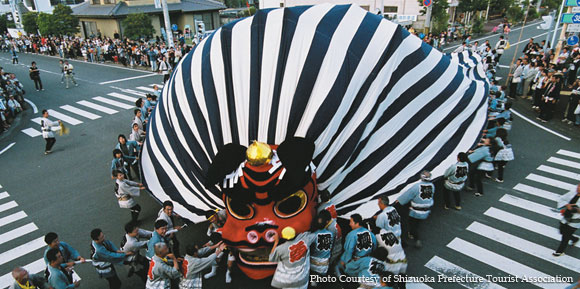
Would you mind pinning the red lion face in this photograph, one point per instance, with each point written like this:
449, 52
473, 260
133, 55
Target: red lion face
250, 228
265, 188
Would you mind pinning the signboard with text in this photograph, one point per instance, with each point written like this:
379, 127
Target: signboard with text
570, 18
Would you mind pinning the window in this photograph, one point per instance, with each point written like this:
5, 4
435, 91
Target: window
109, 2
96, 2
390, 9
5, 2
365, 7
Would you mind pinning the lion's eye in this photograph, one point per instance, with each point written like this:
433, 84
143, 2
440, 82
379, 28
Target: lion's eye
291, 205
239, 210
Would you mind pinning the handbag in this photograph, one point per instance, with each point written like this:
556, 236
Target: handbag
577, 110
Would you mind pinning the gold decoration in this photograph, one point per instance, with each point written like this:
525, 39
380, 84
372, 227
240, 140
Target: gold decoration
63, 129
258, 153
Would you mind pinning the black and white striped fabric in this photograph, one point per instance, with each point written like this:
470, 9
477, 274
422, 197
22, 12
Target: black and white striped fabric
379, 104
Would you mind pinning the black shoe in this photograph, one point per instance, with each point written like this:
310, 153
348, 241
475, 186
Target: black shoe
557, 254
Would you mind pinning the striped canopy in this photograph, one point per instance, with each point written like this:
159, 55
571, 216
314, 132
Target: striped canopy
379, 104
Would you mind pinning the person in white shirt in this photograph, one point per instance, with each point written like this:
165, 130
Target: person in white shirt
47, 134
166, 213
132, 243
164, 69
69, 74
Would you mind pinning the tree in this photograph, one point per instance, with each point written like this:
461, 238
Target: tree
138, 25
439, 15
46, 24
67, 24
515, 14
29, 22
3, 23
499, 6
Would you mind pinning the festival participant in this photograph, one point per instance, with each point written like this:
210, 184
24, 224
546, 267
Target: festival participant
455, 177
359, 242
293, 257
420, 196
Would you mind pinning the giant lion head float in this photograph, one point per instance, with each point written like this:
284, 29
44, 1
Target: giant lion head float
336, 99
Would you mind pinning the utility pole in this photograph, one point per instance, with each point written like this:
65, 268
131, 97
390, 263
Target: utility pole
557, 24
562, 36
168, 32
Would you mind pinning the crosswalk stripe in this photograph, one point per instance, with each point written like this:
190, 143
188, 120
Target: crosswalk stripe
123, 97
500, 262
568, 153
135, 92
8, 206
4, 195
564, 162
524, 246
31, 132
146, 88
450, 270
33, 268
524, 223
38, 119
559, 172
64, 117
537, 192
113, 102
12, 218
551, 182
21, 250
80, 112
97, 107
18, 232
531, 206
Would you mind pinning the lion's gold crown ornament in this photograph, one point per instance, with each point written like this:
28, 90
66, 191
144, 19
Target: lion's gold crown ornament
258, 153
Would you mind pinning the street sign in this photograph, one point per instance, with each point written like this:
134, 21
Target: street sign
572, 3
573, 28
575, 9
572, 40
427, 3
570, 18
174, 27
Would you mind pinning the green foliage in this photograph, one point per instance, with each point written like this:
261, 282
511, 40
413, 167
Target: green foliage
60, 22
515, 14
138, 25
477, 25
472, 5
251, 12
3, 23
232, 3
29, 22
47, 24
532, 13
551, 4
499, 6
439, 15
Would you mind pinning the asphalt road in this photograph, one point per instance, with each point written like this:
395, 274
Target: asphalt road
70, 191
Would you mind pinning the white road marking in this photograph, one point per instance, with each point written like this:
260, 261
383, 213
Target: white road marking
128, 78
122, 96
113, 102
564, 162
33, 268
537, 192
146, 88
64, 117
18, 232
524, 246
531, 206
8, 206
34, 108
448, 269
2, 196
97, 107
12, 218
569, 153
500, 262
7, 148
540, 126
551, 182
560, 172
80, 112
31, 132
532, 226
22, 250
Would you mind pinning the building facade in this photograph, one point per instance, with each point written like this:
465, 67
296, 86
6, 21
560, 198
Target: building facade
104, 17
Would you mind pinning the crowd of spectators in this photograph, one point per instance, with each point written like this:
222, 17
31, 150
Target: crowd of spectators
11, 98
147, 53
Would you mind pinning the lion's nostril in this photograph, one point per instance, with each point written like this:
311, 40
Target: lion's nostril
269, 236
253, 237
